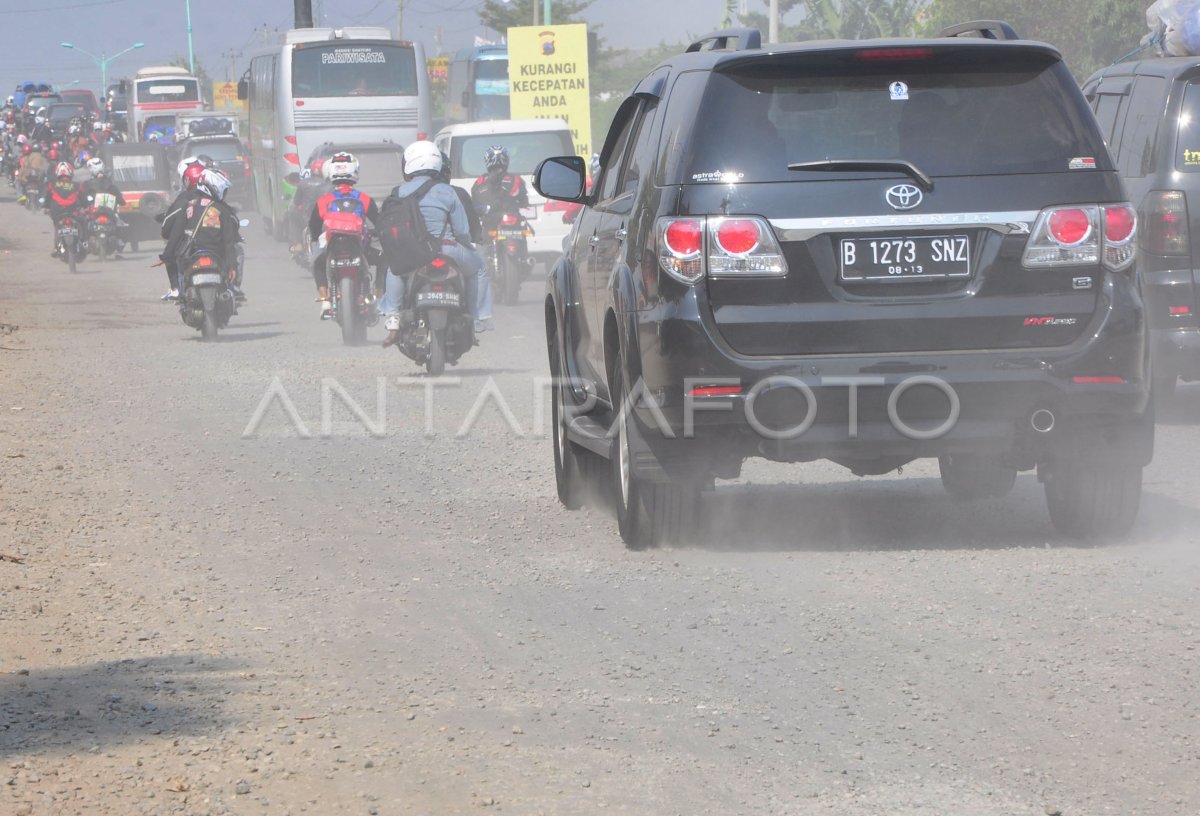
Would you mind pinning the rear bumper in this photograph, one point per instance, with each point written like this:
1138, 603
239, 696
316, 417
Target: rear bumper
876, 408
1176, 352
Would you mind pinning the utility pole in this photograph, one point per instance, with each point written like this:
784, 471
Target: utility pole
545, 12
773, 23
537, 19
400, 19
191, 54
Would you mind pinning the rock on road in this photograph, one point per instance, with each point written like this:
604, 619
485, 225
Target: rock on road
314, 618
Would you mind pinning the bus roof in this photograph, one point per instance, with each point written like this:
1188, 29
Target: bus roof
483, 52
306, 35
161, 70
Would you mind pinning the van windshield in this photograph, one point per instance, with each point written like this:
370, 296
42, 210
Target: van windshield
525, 151
985, 116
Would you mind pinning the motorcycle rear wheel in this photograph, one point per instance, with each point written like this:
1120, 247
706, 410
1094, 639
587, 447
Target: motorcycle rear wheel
510, 280
354, 330
436, 363
69, 248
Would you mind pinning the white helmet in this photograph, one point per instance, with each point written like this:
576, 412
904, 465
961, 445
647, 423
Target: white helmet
342, 168
422, 156
11, 100
215, 183
97, 126
39, 120
95, 166
184, 164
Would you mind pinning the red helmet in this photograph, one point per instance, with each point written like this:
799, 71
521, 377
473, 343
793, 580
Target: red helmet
53, 154
191, 176
26, 149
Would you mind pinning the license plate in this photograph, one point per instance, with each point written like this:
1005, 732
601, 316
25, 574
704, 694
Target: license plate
68, 231
439, 299
206, 278
511, 233
905, 258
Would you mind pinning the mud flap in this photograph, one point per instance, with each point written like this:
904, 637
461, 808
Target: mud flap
208, 297
437, 318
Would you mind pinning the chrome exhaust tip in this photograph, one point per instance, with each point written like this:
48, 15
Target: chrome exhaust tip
1042, 420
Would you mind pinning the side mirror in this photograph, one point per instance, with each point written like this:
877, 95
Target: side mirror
245, 222
562, 177
243, 89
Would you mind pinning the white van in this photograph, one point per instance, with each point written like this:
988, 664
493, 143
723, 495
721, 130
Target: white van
528, 141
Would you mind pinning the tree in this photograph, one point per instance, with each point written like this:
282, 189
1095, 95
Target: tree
1089, 33
206, 83
842, 19
501, 16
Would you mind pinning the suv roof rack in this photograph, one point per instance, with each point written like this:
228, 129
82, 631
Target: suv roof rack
986, 29
745, 39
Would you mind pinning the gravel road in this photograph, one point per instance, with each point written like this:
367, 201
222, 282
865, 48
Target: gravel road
208, 608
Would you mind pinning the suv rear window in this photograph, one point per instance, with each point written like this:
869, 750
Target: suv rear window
951, 114
1187, 146
525, 150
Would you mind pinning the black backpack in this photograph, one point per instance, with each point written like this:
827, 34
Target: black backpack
407, 244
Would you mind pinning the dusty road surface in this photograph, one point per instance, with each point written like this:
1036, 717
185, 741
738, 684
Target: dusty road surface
210, 609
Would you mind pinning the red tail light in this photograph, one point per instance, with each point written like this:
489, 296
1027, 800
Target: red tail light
1070, 227
101, 219
421, 136
716, 390
438, 263
290, 140
508, 220
556, 206
894, 54
737, 236
683, 238
1119, 223
246, 167
1166, 227
1179, 311
1098, 380
292, 158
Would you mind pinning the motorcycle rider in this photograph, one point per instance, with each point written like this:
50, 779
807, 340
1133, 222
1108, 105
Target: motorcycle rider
31, 174
444, 216
189, 170
207, 223
468, 203
64, 196
40, 132
498, 193
342, 171
101, 182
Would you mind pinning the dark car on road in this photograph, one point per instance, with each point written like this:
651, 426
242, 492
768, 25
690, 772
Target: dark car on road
1149, 113
144, 176
229, 155
867, 252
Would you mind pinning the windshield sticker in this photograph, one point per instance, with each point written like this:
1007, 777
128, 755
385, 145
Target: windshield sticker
1082, 163
1191, 158
899, 91
729, 177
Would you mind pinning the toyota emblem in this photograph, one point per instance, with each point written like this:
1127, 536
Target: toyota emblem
903, 196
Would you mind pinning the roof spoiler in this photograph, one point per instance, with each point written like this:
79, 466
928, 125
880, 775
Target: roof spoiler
744, 39
985, 29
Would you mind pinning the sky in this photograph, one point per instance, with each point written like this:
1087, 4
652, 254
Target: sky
226, 32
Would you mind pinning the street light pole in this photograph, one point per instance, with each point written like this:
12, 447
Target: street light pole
187, 4
103, 61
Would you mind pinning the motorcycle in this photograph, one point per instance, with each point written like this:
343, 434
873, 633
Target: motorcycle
435, 324
508, 256
104, 227
205, 299
71, 244
348, 270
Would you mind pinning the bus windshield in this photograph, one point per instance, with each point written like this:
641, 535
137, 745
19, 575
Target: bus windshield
168, 89
354, 69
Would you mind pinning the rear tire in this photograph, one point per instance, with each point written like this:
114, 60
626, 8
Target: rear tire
1093, 499
971, 476
648, 513
69, 248
348, 314
575, 468
208, 330
436, 364
510, 279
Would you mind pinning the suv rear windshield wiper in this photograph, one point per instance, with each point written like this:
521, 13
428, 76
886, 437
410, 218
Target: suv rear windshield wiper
900, 165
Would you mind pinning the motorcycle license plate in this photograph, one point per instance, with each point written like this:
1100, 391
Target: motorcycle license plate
439, 299
512, 233
206, 278
67, 232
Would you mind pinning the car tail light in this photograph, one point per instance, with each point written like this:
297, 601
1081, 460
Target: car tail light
743, 246
246, 167
292, 158
893, 54
680, 241
1082, 235
716, 390
1179, 311
1069, 227
1166, 229
1098, 380
290, 140
739, 246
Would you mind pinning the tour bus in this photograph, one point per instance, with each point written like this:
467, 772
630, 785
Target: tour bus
339, 85
158, 94
477, 85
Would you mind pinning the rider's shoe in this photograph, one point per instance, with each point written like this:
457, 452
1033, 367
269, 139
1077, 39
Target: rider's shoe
326, 309
172, 294
483, 324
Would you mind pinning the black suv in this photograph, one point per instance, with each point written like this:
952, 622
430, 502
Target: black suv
1149, 113
867, 252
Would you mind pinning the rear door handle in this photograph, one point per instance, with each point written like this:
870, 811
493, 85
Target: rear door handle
595, 239
621, 233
